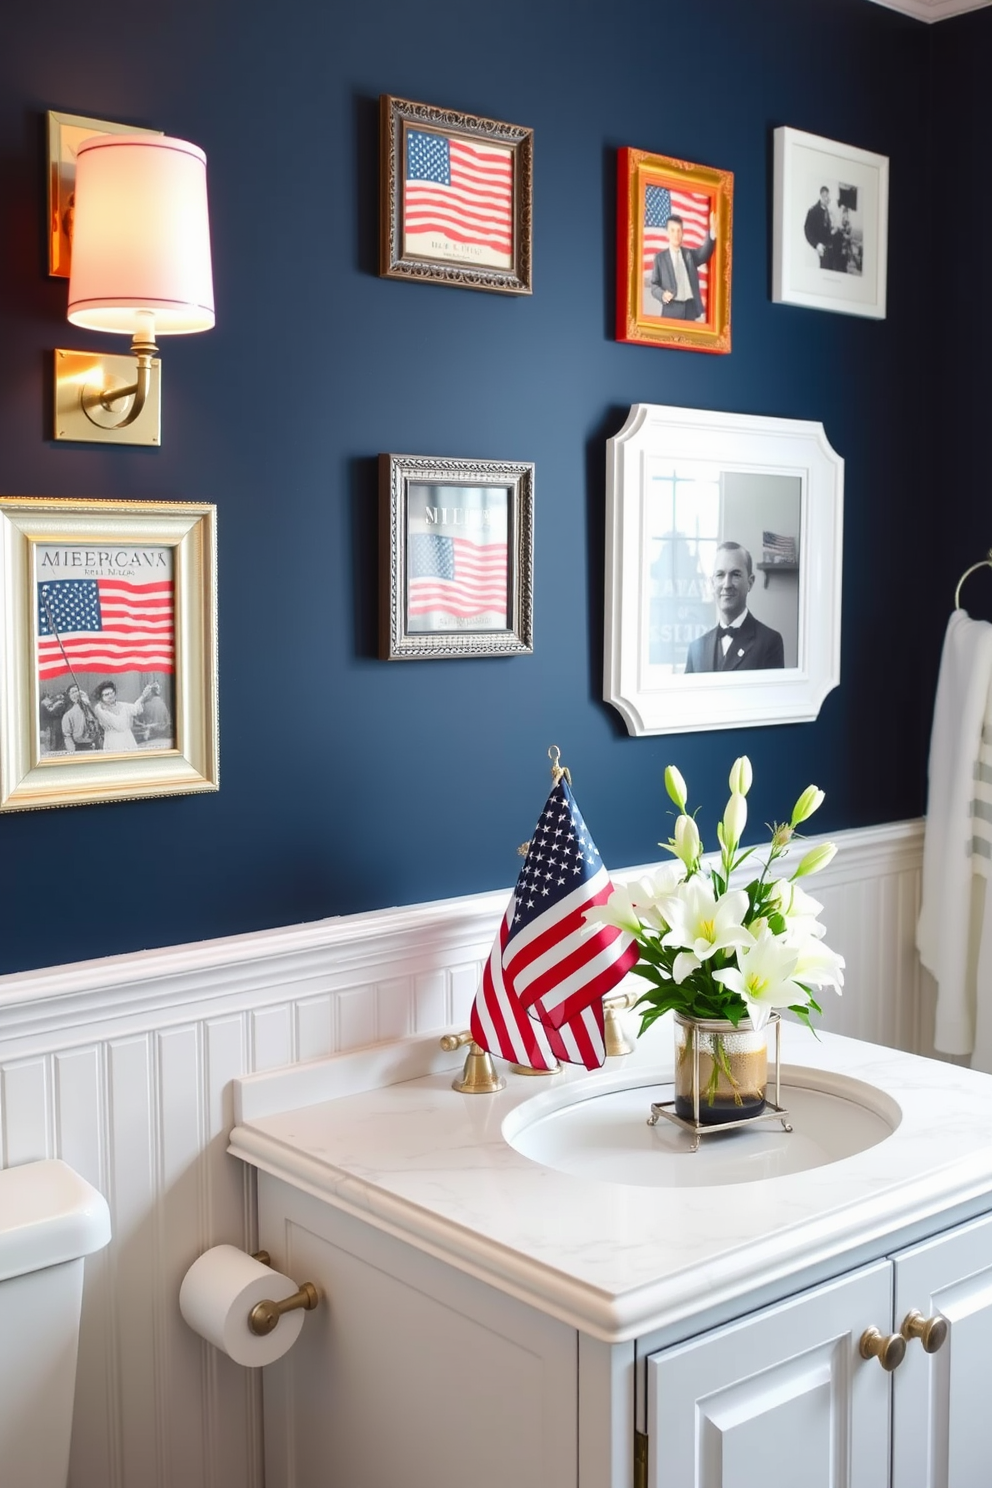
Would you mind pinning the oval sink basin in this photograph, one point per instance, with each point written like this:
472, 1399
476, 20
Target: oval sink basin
602, 1132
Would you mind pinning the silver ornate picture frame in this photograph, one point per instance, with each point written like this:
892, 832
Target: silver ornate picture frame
455, 198
456, 557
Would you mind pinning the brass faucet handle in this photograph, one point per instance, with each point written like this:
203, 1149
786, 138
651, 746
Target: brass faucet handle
455, 1040
889, 1350
932, 1332
623, 1000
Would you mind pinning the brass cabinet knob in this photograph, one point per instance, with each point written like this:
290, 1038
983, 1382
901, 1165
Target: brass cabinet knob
932, 1332
889, 1350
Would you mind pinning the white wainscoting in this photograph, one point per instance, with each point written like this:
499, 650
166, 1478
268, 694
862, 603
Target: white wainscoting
123, 1067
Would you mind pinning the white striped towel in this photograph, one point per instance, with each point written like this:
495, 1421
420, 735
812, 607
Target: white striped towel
958, 832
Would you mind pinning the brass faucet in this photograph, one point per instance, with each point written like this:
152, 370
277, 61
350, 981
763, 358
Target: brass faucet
614, 1033
478, 1077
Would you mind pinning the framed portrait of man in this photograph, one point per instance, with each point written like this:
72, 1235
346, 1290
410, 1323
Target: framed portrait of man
674, 230
723, 570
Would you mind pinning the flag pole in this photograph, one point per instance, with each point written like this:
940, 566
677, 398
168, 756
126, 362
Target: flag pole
558, 770
53, 628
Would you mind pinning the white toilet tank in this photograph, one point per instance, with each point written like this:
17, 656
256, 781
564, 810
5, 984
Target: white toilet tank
50, 1218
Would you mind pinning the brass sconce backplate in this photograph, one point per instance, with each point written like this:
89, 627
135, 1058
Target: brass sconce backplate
81, 379
66, 132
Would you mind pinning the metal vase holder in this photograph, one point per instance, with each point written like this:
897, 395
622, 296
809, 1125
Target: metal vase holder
774, 1110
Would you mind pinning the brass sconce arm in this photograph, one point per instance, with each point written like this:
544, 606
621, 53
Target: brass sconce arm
144, 349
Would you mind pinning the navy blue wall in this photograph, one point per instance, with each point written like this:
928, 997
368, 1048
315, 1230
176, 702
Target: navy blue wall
346, 782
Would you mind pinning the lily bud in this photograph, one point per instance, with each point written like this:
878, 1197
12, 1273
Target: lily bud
675, 786
687, 843
781, 835
810, 800
815, 859
734, 821
741, 776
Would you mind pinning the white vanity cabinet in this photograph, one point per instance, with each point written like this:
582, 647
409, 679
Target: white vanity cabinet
487, 1318
783, 1395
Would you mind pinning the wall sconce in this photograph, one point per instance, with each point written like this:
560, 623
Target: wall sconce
140, 267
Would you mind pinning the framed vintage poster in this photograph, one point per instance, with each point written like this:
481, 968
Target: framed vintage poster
830, 225
108, 651
457, 557
674, 238
455, 198
723, 570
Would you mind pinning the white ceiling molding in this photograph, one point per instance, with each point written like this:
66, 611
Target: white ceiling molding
933, 10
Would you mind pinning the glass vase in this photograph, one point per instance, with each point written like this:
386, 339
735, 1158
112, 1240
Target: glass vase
732, 1069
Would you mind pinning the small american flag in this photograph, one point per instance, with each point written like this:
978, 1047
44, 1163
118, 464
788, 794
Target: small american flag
460, 194
693, 207
104, 625
778, 549
456, 576
542, 991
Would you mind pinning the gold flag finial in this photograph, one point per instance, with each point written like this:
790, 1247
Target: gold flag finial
558, 770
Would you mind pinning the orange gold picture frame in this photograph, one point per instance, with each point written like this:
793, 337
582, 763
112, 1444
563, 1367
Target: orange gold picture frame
651, 189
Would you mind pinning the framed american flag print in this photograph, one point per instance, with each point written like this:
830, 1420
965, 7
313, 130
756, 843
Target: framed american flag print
456, 198
674, 232
108, 671
456, 542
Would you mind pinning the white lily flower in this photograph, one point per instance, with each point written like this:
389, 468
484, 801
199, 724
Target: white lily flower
741, 776
687, 845
811, 800
815, 859
619, 910
703, 924
684, 965
764, 977
734, 821
676, 787
651, 894
818, 964
799, 910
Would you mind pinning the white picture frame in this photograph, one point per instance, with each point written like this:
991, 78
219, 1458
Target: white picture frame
743, 467
845, 272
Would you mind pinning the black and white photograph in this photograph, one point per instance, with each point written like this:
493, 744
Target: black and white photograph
834, 229
723, 555
829, 243
723, 569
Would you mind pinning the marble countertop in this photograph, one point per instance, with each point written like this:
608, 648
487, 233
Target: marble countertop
422, 1162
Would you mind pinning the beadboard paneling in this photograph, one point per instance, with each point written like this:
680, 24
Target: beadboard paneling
123, 1067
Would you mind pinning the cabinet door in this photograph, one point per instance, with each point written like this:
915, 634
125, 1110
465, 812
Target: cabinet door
780, 1398
941, 1401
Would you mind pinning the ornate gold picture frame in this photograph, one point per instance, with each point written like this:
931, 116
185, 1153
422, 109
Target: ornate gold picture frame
108, 651
674, 240
455, 198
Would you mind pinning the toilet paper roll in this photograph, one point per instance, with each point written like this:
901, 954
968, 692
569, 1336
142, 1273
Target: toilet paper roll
219, 1291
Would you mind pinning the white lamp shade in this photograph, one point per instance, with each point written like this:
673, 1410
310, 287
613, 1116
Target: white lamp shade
141, 238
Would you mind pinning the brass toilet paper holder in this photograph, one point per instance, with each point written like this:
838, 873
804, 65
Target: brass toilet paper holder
265, 1315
